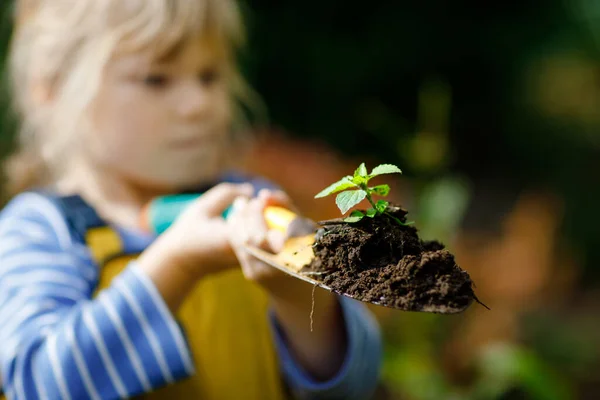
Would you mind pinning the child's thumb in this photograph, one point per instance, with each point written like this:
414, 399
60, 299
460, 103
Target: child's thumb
216, 200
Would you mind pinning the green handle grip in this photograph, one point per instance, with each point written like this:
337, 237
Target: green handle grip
160, 213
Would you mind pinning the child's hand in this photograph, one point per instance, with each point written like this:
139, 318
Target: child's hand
297, 308
247, 225
197, 243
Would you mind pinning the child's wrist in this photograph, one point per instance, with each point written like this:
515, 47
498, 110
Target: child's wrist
171, 278
166, 255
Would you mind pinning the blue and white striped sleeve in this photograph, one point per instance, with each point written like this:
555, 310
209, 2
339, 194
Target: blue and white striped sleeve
358, 377
57, 342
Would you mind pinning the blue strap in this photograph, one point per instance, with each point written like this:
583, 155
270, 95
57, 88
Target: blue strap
78, 214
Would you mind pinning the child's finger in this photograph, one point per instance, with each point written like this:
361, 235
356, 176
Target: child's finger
244, 232
257, 225
276, 240
238, 212
277, 198
239, 205
273, 195
248, 227
216, 200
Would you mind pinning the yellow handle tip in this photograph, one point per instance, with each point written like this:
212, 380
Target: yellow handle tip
278, 218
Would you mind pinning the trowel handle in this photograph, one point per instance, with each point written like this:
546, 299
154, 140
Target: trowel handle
160, 213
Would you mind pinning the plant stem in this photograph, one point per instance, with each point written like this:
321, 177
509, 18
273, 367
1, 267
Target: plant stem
372, 203
366, 189
394, 218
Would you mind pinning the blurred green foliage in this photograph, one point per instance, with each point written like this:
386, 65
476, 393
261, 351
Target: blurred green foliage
6, 120
476, 101
352, 74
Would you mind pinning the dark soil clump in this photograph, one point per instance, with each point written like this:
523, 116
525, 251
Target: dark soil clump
380, 261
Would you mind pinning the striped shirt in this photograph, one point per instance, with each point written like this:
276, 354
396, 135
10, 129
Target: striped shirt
59, 342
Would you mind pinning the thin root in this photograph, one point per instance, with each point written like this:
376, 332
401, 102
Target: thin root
477, 300
312, 308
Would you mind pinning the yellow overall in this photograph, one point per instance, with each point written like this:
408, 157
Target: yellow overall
225, 322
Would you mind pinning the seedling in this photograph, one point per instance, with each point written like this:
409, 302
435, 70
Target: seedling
354, 189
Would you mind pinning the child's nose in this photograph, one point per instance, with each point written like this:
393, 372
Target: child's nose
195, 101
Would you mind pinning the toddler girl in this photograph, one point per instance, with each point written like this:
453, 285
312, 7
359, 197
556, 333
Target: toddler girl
121, 101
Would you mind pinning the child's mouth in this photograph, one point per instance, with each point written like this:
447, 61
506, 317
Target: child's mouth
194, 141
191, 142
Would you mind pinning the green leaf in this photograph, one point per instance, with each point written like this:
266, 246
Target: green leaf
361, 171
384, 169
348, 199
381, 205
355, 216
360, 175
381, 190
371, 212
360, 180
342, 184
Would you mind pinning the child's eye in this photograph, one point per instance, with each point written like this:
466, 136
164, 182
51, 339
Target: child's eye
156, 80
209, 76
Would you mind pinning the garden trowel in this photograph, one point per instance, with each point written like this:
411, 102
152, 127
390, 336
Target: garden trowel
297, 252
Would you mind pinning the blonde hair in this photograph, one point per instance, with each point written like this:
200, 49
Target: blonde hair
60, 47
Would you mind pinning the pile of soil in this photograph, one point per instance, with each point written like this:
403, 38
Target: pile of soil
380, 261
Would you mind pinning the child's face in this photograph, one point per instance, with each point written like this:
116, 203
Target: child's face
162, 123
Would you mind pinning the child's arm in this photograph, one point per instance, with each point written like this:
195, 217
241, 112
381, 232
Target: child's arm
357, 377
341, 356
56, 342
